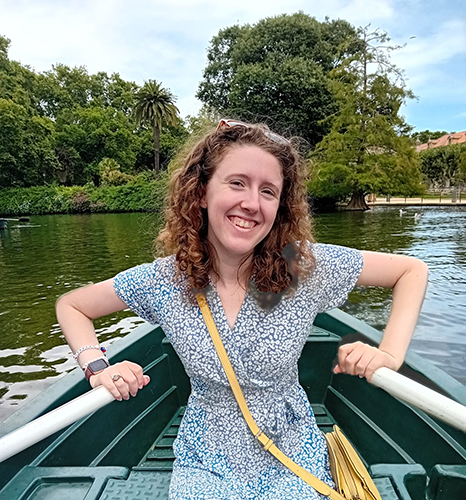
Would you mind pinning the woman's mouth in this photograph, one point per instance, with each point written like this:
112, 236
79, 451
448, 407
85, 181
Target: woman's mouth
244, 223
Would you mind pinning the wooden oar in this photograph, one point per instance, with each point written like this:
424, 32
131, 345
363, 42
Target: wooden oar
427, 400
52, 422
401, 387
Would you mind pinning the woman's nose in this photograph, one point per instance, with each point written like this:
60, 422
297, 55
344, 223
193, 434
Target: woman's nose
251, 201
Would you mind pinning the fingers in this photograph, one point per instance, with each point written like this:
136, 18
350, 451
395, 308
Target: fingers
122, 380
362, 360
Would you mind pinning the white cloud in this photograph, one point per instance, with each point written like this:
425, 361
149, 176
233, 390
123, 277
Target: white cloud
445, 43
435, 63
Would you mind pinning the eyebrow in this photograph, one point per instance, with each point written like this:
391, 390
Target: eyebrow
246, 176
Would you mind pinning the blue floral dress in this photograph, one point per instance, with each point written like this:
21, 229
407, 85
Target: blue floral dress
216, 455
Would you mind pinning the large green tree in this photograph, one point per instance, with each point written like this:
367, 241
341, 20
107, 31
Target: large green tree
63, 88
87, 135
155, 106
368, 148
276, 72
60, 124
27, 155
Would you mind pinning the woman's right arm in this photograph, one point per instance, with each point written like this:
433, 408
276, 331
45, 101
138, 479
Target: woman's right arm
75, 312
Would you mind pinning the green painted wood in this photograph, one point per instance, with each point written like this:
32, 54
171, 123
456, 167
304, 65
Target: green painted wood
138, 434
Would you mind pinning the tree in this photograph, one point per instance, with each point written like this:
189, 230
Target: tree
367, 149
155, 106
60, 124
444, 166
85, 136
64, 88
277, 72
425, 135
26, 139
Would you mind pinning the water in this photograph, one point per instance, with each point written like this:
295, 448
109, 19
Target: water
51, 255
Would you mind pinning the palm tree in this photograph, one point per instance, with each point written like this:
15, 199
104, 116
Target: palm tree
156, 106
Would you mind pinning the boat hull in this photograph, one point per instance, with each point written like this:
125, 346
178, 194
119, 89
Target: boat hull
127, 446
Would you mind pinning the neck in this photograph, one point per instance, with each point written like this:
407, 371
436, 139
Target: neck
229, 272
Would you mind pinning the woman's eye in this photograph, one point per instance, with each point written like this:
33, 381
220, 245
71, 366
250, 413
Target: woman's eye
236, 183
268, 192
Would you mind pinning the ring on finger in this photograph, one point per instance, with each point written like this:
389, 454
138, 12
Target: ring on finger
116, 377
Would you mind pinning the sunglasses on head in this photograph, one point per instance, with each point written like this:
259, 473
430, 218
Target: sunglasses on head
225, 122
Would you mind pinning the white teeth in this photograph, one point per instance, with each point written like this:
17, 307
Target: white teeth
243, 223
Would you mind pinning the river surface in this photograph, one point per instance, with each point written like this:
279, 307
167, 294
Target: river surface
41, 260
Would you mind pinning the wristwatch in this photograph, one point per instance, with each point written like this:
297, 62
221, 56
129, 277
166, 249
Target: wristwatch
95, 367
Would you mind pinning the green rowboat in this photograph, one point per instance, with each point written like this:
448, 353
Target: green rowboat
124, 449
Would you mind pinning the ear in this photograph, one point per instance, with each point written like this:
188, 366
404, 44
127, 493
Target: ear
203, 202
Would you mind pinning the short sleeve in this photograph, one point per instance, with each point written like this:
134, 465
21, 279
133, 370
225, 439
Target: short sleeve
136, 287
336, 273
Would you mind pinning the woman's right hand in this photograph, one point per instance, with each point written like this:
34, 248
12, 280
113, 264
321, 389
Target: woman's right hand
130, 379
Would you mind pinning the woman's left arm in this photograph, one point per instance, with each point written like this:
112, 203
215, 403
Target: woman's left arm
407, 277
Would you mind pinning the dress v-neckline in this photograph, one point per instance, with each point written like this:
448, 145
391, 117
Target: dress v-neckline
224, 314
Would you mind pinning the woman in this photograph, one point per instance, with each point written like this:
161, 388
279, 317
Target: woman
238, 229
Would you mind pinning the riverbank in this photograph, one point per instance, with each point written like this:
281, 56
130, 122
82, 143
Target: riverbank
425, 202
136, 196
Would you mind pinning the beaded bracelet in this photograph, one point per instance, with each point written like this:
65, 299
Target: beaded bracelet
84, 366
85, 348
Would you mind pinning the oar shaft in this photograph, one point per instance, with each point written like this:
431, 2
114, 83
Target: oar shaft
45, 426
427, 400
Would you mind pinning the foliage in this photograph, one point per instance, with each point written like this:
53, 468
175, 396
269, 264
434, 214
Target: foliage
276, 72
367, 149
137, 195
26, 139
110, 173
155, 106
444, 166
57, 126
425, 135
90, 134
64, 88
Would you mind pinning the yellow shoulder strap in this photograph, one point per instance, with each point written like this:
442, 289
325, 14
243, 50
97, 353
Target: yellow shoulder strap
266, 442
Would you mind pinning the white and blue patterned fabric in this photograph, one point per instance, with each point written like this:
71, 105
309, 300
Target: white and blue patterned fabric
216, 455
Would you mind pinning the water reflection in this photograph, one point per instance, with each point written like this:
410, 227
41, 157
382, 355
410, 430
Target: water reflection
438, 237
54, 254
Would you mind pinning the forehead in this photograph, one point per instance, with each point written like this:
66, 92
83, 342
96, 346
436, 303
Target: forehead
251, 160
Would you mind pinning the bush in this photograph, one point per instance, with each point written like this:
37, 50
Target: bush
110, 173
80, 203
135, 196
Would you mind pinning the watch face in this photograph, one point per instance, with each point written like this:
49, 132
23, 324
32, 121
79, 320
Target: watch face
97, 365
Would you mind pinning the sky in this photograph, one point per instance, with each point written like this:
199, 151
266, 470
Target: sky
167, 40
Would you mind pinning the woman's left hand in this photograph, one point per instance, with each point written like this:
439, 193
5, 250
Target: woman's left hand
363, 360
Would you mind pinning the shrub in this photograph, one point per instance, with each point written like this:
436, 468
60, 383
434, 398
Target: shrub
80, 203
110, 174
135, 196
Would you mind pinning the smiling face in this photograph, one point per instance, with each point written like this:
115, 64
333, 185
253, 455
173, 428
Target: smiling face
242, 199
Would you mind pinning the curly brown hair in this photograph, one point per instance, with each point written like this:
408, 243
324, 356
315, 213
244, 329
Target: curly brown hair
185, 231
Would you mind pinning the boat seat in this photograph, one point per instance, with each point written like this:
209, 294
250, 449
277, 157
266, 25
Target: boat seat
147, 485
448, 482
400, 481
58, 483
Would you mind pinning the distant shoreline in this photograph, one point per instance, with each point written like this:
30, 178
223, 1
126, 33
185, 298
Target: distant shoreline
415, 202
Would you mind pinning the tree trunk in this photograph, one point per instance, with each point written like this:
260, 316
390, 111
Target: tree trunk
357, 202
156, 150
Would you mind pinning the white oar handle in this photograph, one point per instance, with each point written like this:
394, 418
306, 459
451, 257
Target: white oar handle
427, 400
45, 426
